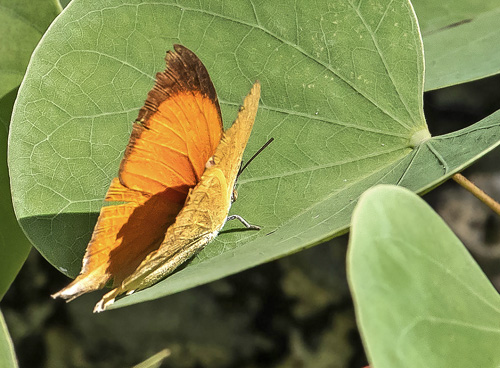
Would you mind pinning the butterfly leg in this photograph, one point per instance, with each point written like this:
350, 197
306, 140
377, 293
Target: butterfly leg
243, 221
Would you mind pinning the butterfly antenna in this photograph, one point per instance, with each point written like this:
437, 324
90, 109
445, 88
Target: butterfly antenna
255, 155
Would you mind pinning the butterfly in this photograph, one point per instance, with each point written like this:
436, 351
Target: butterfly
175, 185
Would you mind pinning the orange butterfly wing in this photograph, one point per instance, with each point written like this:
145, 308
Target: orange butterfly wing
179, 128
177, 131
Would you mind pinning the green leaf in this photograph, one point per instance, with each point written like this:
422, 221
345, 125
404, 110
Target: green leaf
460, 40
22, 24
420, 299
64, 3
341, 94
14, 247
7, 354
434, 16
154, 361
453, 54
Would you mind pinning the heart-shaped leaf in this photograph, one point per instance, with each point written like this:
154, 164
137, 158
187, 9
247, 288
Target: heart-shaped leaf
22, 24
14, 247
7, 353
420, 298
452, 51
341, 94
435, 16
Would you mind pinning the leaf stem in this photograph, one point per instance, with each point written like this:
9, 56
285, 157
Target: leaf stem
478, 193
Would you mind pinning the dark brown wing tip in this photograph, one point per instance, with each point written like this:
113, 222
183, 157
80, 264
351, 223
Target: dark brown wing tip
184, 73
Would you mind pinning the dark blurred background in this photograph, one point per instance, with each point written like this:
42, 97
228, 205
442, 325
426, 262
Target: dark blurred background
295, 312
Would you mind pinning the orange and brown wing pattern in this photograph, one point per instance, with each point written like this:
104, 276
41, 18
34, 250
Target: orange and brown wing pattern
177, 131
178, 128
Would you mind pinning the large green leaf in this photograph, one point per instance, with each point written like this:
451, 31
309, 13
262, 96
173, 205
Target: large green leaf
14, 247
420, 299
460, 40
434, 16
22, 24
7, 354
341, 94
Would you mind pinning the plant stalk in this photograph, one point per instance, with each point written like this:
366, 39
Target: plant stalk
478, 193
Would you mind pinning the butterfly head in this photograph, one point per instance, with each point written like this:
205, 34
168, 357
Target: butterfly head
234, 195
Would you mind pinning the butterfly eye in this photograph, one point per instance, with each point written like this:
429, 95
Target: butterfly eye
210, 163
234, 196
